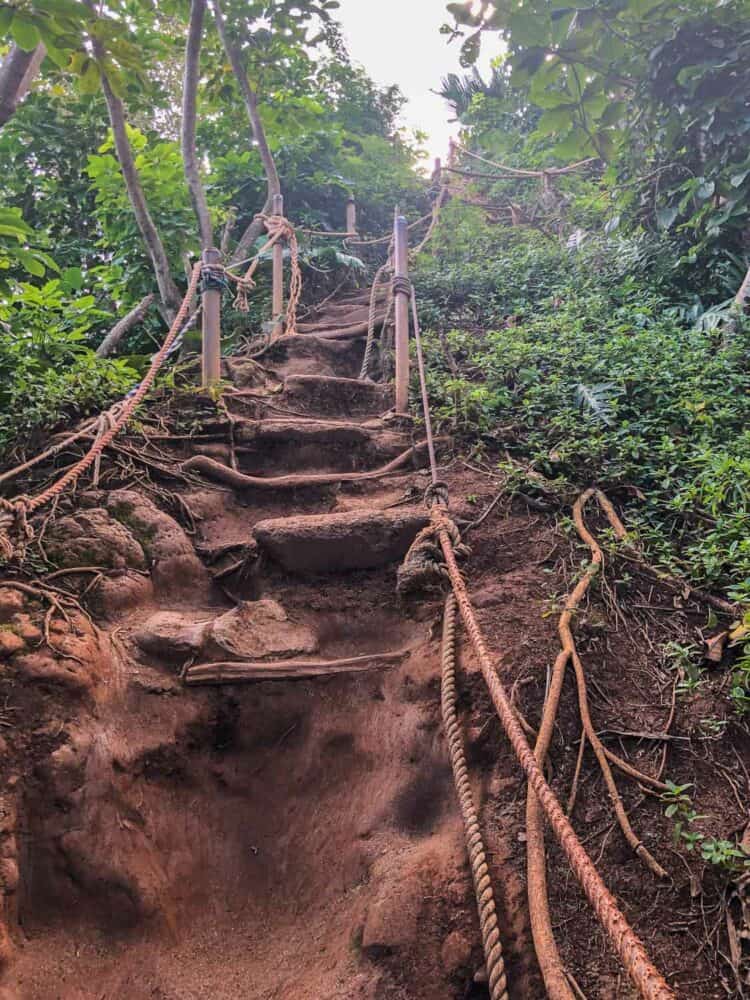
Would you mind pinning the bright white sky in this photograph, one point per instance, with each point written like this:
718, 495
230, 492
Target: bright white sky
398, 41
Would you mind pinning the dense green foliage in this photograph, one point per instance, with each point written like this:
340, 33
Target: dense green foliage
67, 229
656, 89
587, 367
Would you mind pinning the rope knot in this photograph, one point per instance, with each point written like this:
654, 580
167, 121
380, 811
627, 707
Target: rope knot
401, 285
436, 494
15, 530
424, 565
244, 286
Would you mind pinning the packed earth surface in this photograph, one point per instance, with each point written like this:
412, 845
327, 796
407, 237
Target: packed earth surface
224, 771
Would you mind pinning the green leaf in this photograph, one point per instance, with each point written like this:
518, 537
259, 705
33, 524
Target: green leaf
666, 215
25, 33
30, 263
72, 278
554, 120
737, 179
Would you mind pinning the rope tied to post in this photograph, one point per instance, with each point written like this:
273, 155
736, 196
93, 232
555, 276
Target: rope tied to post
279, 228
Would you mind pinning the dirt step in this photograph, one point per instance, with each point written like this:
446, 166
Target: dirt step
331, 543
341, 396
299, 354
347, 317
282, 445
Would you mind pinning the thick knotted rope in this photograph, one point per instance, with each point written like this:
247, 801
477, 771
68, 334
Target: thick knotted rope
383, 270
279, 228
491, 942
15, 530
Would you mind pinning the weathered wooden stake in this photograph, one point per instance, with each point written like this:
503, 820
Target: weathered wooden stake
277, 297
437, 172
211, 308
351, 215
401, 312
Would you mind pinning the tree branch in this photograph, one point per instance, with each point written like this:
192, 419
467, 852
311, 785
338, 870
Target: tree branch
122, 326
168, 290
16, 76
256, 227
189, 114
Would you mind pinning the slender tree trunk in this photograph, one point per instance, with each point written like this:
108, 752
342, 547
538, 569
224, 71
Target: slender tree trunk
743, 292
256, 227
189, 115
16, 76
109, 345
739, 307
168, 290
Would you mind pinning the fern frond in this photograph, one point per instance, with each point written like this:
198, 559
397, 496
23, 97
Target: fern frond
596, 400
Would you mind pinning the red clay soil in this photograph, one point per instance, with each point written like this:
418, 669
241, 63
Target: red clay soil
301, 837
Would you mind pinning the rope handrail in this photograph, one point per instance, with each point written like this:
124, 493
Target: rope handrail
18, 508
625, 941
519, 171
279, 227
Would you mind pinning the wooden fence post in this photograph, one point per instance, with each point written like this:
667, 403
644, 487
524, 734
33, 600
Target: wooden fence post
277, 296
351, 215
211, 310
401, 312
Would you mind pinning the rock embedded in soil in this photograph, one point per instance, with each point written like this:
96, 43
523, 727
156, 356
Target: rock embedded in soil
329, 543
93, 538
11, 602
175, 568
10, 643
257, 629
170, 636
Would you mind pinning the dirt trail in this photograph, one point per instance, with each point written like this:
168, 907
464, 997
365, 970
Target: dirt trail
249, 840
283, 837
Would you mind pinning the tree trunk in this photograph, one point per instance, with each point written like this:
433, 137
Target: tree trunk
189, 114
743, 292
256, 227
16, 76
739, 306
168, 290
118, 331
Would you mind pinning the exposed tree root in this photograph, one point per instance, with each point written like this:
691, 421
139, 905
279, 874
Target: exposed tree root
553, 971
234, 672
239, 480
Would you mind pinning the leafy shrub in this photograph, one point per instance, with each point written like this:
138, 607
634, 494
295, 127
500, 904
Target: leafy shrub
586, 366
47, 371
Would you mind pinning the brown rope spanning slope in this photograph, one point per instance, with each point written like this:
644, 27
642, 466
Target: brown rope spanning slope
279, 228
493, 949
552, 968
16, 510
520, 172
628, 946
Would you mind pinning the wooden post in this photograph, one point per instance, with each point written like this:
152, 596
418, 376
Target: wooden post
351, 215
401, 312
211, 309
437, 172
277, 296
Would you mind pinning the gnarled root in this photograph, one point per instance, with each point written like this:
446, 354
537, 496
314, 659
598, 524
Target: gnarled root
550, 963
